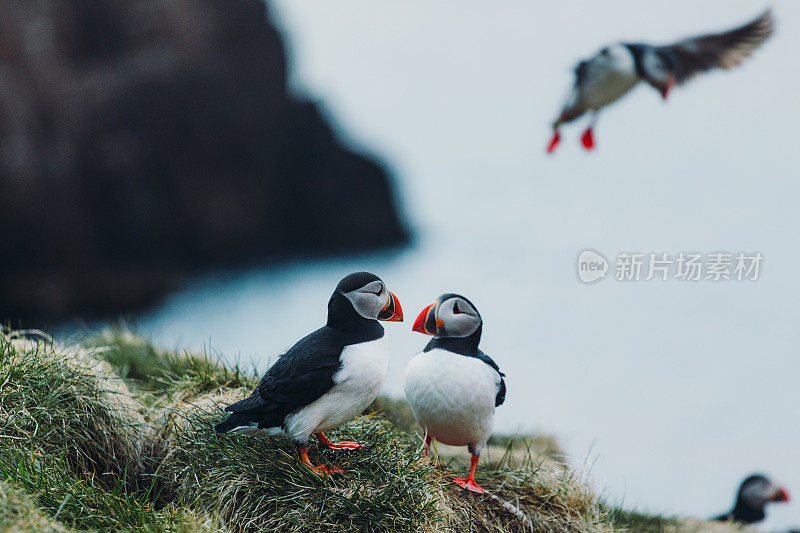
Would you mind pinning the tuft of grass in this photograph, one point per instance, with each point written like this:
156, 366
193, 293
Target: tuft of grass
257, 483
529, 492
72, 439
64, 405
639, 522
160, 372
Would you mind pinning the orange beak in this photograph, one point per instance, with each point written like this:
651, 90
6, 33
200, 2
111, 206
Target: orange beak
391, 312
781, 495
426, 322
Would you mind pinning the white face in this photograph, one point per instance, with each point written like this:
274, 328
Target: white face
457, 318
758, 492
618, 58
369, 300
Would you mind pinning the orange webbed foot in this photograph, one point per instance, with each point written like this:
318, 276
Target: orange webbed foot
345, 445
327, 470
469, 484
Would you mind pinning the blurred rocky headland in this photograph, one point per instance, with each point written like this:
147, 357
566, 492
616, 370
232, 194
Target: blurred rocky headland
141, 142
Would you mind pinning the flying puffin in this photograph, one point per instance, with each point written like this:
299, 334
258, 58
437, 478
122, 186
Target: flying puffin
330, 376
616, 69
754, 494
452, 386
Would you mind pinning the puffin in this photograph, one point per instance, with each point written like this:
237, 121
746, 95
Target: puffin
616, 69
754, 494
328, 377
452, 386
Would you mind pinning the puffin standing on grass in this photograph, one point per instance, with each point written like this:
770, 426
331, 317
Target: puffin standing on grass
330, 376
754, 494
452, 386
615, 70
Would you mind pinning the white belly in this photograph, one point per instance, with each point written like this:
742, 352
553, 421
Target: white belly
452, 397
356, 384
607, 86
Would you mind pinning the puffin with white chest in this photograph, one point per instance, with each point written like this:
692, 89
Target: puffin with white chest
452, 386
615, 70
328, 377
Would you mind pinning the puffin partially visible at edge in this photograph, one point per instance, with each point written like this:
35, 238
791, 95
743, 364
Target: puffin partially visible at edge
615, 70
452, 386
328, 377
754, 494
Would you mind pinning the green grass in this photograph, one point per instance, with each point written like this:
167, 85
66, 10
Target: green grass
641, 523
264, 486
113, 434
162, 372
19, 513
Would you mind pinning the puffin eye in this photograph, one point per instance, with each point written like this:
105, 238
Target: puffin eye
376, 288
456, 310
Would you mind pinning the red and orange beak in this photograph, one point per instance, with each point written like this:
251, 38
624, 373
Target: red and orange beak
668, 86
781, 495
391, 312
426, 321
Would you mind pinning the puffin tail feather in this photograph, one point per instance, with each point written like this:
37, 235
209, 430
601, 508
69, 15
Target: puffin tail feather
232, 422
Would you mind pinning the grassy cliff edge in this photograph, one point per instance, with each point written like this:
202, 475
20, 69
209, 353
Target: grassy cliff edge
111, 433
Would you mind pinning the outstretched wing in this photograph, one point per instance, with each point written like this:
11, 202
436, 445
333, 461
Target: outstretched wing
719, 50
501, 389
298, 378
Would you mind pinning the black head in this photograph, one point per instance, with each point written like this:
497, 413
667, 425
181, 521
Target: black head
754, 494
363, 296
452, 317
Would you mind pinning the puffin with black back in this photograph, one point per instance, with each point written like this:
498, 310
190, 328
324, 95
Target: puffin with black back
615, 70
328, 377
452, 386
754, 494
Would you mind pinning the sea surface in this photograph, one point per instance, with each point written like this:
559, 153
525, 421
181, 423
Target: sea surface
670, 392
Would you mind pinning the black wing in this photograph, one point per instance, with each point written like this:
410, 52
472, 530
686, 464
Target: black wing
720, 50
299, 377
501, 390
581, 72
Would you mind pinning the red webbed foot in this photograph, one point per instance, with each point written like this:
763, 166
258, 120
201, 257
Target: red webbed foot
554, 140
327, 470
587, 140
469, 484
344, 445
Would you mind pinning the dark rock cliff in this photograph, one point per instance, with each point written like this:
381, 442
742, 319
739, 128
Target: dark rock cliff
141, 141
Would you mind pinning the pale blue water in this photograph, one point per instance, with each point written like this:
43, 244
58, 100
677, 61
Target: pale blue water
674, 390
